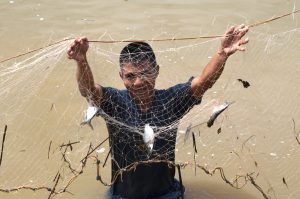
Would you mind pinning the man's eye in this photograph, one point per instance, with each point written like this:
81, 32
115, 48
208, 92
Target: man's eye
129, 76
147, 73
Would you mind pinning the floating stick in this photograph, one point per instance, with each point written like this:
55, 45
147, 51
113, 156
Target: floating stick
244, 143
180, 180
90, 152
69, 144
53, 189
3, 140
195, 151
98, 177
49, 148
107, 157
295, 133
194, 142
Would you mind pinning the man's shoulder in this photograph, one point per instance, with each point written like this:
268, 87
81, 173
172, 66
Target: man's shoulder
112, 90
176, 88
113, 96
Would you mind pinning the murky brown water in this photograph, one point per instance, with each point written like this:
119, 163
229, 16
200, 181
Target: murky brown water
265, 110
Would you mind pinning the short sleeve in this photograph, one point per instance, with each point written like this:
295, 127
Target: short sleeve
110, 100
182, 99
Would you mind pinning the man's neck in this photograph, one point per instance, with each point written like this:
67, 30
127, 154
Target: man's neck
143, 102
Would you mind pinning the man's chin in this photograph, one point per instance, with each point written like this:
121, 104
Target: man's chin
140, 93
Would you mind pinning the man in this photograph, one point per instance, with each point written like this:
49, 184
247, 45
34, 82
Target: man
128, 111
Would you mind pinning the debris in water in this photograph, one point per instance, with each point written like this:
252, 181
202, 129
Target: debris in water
273, 154
194, 142
52, 106
219, 130
217, 111
296, 133
245, 142
109, 152
3, 140
284, 182
91, 112
98, 177
195, 151
49, 148
245, 83
100, 150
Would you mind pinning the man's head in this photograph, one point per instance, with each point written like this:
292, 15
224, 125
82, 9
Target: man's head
138, 69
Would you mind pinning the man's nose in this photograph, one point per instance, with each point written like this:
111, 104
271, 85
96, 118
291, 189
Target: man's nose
138, 81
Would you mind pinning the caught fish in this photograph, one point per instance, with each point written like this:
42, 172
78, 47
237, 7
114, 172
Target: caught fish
187, 133
90, 113
217, 111
148, 137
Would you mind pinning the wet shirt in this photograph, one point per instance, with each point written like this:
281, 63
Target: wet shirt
125, 122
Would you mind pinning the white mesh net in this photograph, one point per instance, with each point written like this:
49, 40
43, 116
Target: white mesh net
254, 141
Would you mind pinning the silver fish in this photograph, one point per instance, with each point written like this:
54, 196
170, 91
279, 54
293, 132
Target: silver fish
148, 137
90, 113
217, 111
187, 133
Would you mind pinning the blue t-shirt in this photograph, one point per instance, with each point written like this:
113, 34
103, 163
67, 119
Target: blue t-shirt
124, 119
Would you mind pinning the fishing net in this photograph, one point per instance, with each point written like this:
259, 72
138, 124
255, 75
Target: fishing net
253, 143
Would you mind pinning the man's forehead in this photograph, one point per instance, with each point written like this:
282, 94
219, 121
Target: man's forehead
131, 67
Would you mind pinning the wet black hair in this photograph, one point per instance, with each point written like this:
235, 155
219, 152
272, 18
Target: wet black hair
137, 53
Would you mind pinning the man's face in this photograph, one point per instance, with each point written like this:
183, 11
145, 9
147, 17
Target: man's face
139, 79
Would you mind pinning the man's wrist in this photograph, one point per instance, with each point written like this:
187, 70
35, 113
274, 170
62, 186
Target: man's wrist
82, 60
222, 54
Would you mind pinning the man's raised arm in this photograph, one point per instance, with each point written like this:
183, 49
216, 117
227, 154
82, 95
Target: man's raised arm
87, 87
231, 42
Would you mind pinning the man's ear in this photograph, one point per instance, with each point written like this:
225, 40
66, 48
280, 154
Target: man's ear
121, 74
157, 70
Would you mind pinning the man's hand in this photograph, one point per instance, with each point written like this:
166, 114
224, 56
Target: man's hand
232, 40
87, 87
77, 50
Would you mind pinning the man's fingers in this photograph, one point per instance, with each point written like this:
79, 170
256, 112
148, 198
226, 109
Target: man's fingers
241, 48
74, 45
243, 31
78, 48
241, 26
84, 39
243, 41
229, 31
